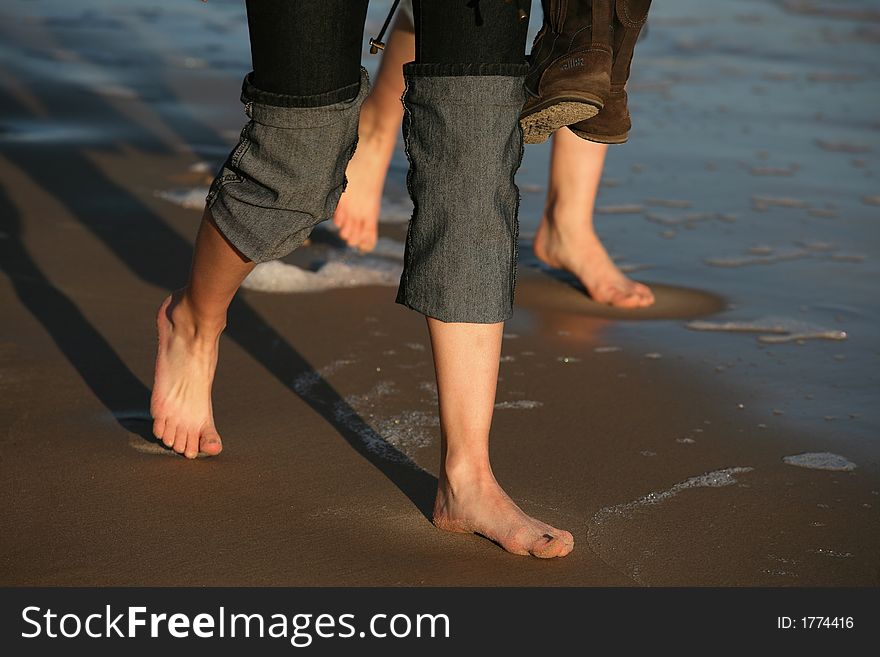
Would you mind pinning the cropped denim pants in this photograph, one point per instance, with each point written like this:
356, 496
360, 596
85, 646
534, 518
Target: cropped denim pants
464, 93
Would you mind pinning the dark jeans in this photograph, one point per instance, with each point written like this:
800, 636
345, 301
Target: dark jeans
313, 47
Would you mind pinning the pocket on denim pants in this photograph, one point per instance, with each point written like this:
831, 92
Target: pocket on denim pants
230, 172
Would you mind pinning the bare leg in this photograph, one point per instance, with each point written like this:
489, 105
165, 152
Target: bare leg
469, 499
566, 238
189, 324
357, 214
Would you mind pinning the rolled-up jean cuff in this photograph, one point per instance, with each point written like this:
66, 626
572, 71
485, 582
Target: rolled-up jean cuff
464, 145
285, 175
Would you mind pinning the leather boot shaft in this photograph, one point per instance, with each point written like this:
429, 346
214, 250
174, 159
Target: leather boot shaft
629, 18
575, 34
613, 123
570, 66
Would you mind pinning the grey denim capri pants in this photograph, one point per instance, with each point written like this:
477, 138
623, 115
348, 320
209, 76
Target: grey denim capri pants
461, 129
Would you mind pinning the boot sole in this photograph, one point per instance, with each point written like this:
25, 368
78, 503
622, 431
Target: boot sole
601, 139
546, 118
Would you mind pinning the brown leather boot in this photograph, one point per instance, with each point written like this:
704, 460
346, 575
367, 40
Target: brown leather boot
570, 74
612, 124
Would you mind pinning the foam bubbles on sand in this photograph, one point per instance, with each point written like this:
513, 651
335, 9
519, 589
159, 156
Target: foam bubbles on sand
520, 403
826, 552
371, 439
642, 537
192, 198
280, 277
820, 461
776, 330
394, 436
390, 437
409, 430
714, 479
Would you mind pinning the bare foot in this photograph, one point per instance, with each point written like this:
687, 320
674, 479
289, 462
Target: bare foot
478, 505
183, 418
357, 214
580, 252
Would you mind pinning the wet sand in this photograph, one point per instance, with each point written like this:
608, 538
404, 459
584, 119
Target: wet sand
675, 456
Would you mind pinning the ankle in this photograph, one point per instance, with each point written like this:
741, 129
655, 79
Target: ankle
562, 213
376, 127
568, 227
465, 472
186, 319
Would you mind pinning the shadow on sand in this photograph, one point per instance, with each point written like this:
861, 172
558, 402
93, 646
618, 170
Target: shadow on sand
159, 256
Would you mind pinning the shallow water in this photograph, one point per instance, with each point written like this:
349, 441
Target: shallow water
764, 128
750, 172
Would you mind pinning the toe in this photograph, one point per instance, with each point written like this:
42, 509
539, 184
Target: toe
633, 298
159, 427
210, 442
615, 296
545, 547
368, 241
553, 544
567, 543
180, 440
168, 433
192, 445
340, 217
622, 298
357, 232
345, 230
646, 296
